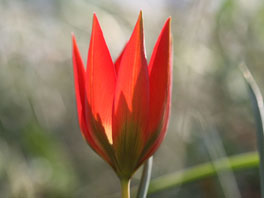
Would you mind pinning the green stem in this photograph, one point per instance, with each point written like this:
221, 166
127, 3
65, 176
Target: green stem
125, 188
145, 179
237, 162
257, 103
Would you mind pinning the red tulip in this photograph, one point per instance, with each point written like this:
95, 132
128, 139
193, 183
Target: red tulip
123, 107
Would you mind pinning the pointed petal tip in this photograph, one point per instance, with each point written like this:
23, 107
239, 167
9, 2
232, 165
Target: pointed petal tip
73, 39
95, 20
140, 18
168, 23
74, 43
96, 27
140, 13
138, 29
94, 16
166, 30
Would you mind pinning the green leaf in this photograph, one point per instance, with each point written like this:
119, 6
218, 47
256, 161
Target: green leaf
238, 162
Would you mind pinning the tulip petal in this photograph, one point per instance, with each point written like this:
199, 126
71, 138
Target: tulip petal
131, 101
160, 77
101, 79
79, 81
160, 71
158, 136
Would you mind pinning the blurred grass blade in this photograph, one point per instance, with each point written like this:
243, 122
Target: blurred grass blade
257, 103
216, 150
237, 162
145, 179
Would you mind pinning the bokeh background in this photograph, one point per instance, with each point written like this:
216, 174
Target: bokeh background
42, 152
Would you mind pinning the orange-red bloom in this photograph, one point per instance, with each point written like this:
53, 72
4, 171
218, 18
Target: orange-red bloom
123, 107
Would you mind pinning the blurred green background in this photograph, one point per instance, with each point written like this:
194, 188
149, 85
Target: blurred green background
42, 152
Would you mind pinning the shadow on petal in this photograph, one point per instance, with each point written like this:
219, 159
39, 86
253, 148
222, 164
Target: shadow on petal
98, 134
129, 143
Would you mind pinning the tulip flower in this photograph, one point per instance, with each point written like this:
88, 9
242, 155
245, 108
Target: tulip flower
123, 106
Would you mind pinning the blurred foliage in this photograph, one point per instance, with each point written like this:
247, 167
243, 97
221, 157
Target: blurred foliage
42, 153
